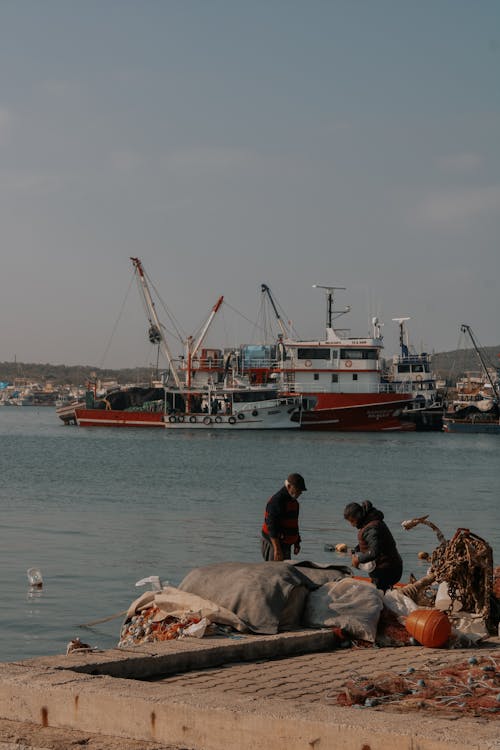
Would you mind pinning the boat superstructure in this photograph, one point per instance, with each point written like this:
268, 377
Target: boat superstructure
339, 378
412, 371
476, 406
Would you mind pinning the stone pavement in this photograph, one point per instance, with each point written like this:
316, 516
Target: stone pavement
225, 694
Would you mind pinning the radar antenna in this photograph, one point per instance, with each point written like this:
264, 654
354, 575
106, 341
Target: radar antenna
330, 293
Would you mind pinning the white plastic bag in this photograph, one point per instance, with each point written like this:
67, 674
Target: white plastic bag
400, 604
349, 604
197, 629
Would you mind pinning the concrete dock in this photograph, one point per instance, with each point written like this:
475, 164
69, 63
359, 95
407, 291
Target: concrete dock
248, 692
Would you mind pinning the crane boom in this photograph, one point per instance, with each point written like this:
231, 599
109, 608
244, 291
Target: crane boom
156, 331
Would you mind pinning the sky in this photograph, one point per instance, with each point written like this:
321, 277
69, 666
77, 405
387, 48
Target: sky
228, 143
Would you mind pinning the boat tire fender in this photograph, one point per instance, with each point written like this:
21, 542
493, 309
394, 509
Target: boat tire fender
231, 420
172, 418
207, 420
255, 413
241, 416
180, 418
218, 420
192, 419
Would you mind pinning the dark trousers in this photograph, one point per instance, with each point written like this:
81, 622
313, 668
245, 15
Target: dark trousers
267, 550
385, 578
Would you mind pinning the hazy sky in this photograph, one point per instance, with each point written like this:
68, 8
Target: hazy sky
232, 142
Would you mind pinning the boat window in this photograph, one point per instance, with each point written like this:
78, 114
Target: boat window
313, 353
316, 376
251, 396
355, 376
257, 356
335, 378
359, 354
404, 368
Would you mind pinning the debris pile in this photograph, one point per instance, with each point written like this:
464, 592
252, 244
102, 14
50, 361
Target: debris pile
153, 625
470, 687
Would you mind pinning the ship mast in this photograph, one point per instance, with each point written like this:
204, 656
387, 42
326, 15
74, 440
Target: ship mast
330, 312
403, 344
155, 331
467, 329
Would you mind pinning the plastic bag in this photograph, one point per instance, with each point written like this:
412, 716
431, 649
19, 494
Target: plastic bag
351, 605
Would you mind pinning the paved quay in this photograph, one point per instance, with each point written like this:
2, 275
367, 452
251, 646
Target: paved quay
236, 693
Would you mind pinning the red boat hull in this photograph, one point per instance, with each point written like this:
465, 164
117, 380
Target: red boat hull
366, 412
115, 418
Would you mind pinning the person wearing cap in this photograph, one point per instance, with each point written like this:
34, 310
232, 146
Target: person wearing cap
280, 530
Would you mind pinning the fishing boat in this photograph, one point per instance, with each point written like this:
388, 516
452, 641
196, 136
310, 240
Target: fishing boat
413, 370
201, 389
476, 407
339, 378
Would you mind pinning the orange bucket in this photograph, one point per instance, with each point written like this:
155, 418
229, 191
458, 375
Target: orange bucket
430, 627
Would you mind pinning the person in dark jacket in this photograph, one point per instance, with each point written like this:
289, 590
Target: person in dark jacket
375, 544
280, 530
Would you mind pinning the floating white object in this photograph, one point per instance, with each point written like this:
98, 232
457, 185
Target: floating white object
35, 578
153, 580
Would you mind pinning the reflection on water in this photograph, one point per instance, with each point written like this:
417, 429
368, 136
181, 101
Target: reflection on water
98, 509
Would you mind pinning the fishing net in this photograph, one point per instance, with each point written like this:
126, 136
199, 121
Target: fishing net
469, 687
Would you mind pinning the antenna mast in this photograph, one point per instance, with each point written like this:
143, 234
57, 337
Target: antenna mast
330, 293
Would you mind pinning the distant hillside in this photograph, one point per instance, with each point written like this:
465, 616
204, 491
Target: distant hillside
72, 375
447, 365
451, 365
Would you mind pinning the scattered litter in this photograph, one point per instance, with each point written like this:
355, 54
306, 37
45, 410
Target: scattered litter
156, 584
152, 625
341, 548
76, 645
35, 578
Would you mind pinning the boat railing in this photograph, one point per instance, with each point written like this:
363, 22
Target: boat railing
305, 388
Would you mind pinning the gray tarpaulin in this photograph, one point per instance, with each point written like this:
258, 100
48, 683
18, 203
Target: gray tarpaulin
267, 597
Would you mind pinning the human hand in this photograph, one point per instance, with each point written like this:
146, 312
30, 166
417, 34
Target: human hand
296, 548
355, 561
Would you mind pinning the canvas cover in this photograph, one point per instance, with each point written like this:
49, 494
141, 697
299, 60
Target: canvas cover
267, 597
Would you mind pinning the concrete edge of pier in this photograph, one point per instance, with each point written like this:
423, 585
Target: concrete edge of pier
117, 695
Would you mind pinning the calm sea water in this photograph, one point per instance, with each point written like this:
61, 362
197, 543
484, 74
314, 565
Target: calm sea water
98, 509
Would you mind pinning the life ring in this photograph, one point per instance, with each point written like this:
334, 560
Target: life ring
192, 419
308, 363
180, 418
418, 377
255, 413
218, 419
348, 363
172, 419
231, 420
241, 415
207, 420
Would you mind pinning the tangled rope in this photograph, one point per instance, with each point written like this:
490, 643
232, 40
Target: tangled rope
465, 563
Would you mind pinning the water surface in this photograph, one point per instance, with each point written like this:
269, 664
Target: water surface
97, 509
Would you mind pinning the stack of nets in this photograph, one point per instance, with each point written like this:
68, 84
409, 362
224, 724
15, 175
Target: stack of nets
470, 687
